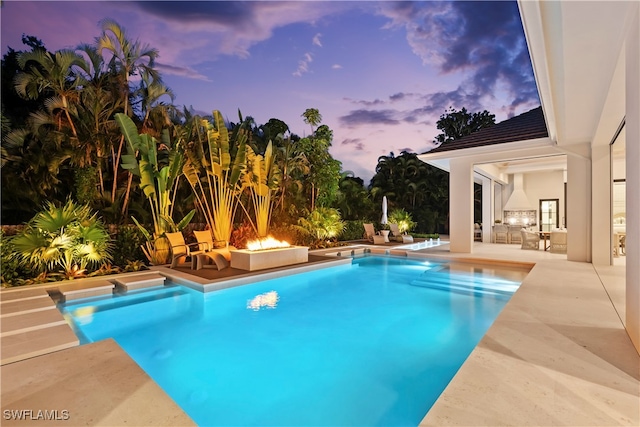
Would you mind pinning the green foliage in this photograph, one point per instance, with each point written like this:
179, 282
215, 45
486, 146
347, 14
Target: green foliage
312, 117
410, 184
290, 233
128, 241
159, 179
262, 178
66, 240
403, 219
353, 230
12, 270
86, 181
324, 171
352, 198
456, 124
426, 235
322, 223
214, 169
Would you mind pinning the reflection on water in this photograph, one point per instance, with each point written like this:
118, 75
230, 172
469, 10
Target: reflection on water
267, 299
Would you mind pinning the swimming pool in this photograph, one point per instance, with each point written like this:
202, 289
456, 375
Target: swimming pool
374, 343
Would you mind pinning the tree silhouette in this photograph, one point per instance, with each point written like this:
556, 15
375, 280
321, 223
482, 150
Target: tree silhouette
456, 124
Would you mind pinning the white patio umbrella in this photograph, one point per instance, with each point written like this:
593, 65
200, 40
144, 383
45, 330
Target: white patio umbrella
384, 210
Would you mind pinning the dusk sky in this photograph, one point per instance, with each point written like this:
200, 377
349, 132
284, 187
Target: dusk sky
380, 73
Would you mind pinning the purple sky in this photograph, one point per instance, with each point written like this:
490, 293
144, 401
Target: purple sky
380, 73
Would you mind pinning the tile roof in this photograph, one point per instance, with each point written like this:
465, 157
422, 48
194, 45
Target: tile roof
529, 125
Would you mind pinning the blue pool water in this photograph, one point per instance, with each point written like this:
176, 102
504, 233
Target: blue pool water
372, 344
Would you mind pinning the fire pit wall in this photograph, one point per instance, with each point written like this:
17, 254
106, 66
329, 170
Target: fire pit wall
268, 258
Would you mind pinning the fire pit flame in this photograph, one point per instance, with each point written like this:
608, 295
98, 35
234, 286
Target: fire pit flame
266, 243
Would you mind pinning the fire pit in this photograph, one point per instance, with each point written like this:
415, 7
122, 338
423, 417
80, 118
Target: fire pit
268, 253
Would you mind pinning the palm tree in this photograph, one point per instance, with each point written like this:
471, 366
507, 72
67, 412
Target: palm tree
52, 74
312, 117
129, 58
294, 166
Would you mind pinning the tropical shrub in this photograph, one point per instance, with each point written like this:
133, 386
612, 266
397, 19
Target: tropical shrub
128, 241
353, 230
290, 233
242, 234
262, 178
322, 223
159, 179
403, 219
215, 175
11, 269
63, 241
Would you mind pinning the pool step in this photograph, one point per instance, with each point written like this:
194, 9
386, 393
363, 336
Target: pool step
86, 290
465, 284
140, 281
32, 326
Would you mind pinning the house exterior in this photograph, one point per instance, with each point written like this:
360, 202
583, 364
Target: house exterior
586, 61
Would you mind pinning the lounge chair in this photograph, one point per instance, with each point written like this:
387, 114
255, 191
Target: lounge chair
398, 236
371, 234
180, 250
558, 241
205, 240
211, 256
530, 239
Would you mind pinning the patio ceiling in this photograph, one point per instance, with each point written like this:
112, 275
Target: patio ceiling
575, 49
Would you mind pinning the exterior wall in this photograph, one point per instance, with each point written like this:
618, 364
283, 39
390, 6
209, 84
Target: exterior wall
633, 178
545, 185
461, 205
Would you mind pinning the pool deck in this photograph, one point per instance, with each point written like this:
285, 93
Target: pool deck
557, 355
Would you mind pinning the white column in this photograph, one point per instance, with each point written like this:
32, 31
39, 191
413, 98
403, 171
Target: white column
578, 208
601, 212
487, 208
633, 179
461, 205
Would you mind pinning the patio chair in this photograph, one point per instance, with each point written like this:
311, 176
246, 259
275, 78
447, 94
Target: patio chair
211, 255
398, 236
371, 234
180, 250
477, 232
500, 233
514, 234
205, 240
530, 239
558, 241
